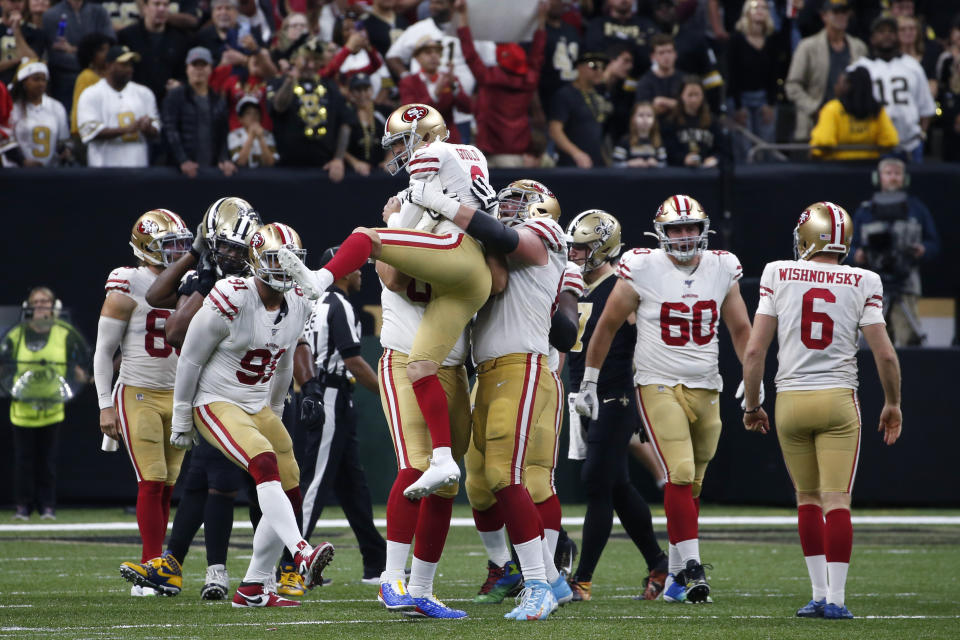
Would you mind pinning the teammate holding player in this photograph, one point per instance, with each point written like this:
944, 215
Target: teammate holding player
678, 293
815, 305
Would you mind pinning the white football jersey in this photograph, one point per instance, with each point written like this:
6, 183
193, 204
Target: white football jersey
572, 282
148, 361
819, 308
402, 314
901, 86
240, 370
101, 107
677, 316
38, 129
518, 320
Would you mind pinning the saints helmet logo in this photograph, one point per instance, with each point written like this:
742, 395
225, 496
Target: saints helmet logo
148, 227
603, 229
414, 113
257, 240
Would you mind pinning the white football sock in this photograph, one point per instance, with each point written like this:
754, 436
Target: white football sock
397, 553
324, 280
674, 561
278, 513
530, 554
496, 545
817, 568
549, 566
267, 548
441, 454
551, 536
689, 550
421, 578
837, 574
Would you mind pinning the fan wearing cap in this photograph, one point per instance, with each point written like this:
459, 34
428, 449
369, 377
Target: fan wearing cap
39, 122
434, 86
18, 39
578, 113
116, 116
250, 144
367, 120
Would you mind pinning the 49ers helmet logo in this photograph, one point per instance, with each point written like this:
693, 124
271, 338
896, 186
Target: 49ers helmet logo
540, 188
148, 227
257, 240
803, 218
414, 113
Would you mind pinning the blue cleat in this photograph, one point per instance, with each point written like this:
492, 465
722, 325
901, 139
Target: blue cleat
561, 590
537, 602
813, 609
676, 592
393, 595
162, 574
501, 582
836, 612
431, 607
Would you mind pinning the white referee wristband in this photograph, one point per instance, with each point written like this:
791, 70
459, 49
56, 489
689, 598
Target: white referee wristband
590, 374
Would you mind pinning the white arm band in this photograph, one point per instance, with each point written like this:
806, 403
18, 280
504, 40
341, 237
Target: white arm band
109, 336
206, 331
281, 383
590, 374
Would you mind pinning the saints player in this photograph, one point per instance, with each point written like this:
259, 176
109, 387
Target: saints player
139, 409
437, 253
678, 293
815, 305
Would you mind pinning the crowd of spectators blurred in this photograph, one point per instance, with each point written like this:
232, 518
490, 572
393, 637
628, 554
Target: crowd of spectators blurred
629, 83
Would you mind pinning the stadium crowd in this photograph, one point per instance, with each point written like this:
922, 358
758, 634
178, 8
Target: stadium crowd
630, 83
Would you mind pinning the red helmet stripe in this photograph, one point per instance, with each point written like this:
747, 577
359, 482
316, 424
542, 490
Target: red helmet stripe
283, 233
676, 204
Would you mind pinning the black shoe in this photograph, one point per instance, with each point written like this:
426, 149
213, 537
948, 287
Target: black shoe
565, 555
694, 578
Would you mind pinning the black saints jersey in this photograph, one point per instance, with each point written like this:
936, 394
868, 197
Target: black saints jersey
617, 369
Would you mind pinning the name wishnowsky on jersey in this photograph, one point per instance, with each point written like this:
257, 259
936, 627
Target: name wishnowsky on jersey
812, 275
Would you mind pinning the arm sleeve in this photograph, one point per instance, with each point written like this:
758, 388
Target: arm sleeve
492, 233
767, 304
109, 335
281, 382
206, 331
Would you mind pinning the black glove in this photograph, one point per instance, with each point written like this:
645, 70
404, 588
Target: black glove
312, 413
483, 192
206, 274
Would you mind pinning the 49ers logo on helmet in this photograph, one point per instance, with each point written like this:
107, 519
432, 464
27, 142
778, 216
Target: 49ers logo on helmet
257, 240
803, 218
148, 227
542, 189
414, 113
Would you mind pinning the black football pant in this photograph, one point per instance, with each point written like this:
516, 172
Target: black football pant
35, 466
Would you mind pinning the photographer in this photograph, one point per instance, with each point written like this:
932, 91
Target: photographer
895, 233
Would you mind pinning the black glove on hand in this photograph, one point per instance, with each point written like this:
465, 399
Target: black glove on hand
206, 274
482, 190
311, 405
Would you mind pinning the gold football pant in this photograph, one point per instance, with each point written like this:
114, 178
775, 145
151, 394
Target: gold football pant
408, 430
819, 434
242, 436
145, 419
684, 427
516, 404
459, 280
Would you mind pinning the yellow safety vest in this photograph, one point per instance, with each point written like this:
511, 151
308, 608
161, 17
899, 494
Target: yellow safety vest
48, 365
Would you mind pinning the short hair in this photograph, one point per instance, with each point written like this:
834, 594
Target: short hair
891, 160
661, 40
213, 3
89, 45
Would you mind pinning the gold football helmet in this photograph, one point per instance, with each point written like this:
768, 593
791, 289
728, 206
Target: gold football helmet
600, 232
159, 237
227, 226
263, 259
677, 210
823, 226
522, 199
414, 125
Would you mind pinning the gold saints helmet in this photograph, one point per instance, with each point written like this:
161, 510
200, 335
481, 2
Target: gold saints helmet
600, 232
263, 258
159, 237
823, 226
414, 125
522, 199
228, 226
676, 210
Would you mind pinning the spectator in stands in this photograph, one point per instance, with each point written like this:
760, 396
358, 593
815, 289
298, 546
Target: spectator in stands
384, 25
752, 77
560, 55
64, 25
621, 24
577, 115
948, 76
356, 55
116, 116
329, 14
694, 54
247, 76
690, 132
164, 47
308, 114
251, 145
505, 92
660, 85
224, 38
39, 122
34, 13
367, 120
817, 62
195, 120
914, 44
18, 39
293, 32
257, 17
853, 117
642, 147
619, 89
92, 56
433, 86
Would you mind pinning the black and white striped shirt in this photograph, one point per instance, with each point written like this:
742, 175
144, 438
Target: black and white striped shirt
333, 333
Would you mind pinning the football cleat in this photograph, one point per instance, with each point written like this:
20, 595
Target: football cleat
254, 594
535, 602
561, 590
431, 607
501, 582
813, 609
313, 283
653, 584
675, 591
565, 555
290, 582
217, 584
371, 577
163, 574
139, 592
393, 595
694, 578
836, 612
311, 565
437, 476
581, 590
22, 513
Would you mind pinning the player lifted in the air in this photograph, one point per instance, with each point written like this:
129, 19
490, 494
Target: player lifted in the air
815, 306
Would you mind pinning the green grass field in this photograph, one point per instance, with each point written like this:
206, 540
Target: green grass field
903, 584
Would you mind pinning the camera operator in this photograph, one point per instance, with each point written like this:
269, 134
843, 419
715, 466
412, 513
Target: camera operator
896, 233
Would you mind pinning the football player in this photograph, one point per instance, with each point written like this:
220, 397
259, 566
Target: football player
437, 253
678, 293
139, 409
815, 305
595, 245
233, 375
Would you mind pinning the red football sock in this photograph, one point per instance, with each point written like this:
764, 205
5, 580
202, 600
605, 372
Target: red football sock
433, 405
296, 501
489, 519
681, 512
432, 527
550, 513
165, 503
696, 504
351, 255
838, 536
520, 514
810, 528
150, 518
402, 513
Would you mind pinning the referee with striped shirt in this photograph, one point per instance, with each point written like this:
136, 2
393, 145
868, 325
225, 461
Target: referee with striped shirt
327, 363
